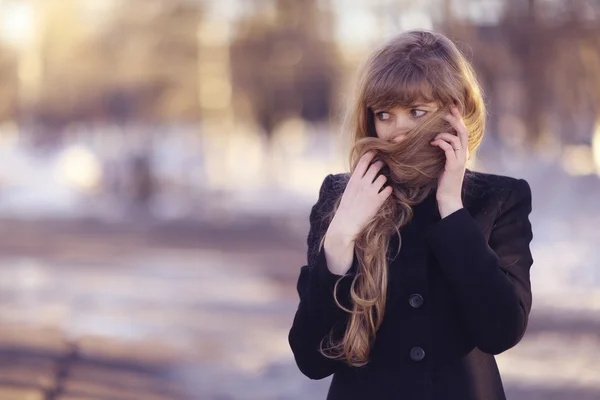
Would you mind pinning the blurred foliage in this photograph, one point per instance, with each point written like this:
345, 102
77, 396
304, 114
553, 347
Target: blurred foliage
282, 66
552, 49
139, 65
9, 83
540, 64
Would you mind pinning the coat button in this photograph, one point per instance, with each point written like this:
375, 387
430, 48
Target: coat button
417, 354
415, 300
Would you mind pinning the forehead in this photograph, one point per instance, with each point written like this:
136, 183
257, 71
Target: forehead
401, 84
421, 103
425, 106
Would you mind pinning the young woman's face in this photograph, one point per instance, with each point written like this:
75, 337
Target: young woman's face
394, 123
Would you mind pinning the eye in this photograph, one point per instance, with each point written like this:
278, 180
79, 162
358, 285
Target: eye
383, 116
416, 113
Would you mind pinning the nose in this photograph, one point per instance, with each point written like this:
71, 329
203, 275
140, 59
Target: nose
403, 125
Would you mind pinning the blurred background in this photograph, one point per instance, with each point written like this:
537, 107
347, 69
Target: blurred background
159, 159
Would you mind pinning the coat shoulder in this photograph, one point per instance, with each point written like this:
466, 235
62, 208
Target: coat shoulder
341, 177
481, 184
479, 187
483, 191
475, 182
339, 182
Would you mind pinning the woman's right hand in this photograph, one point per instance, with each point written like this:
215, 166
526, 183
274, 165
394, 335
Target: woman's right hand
361, 200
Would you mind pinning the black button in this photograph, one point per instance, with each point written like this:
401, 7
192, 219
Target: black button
417, 354
415, 300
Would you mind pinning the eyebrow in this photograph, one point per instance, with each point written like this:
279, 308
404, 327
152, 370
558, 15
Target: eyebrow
426, 105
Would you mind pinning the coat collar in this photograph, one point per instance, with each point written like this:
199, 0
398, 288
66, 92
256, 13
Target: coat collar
427, 212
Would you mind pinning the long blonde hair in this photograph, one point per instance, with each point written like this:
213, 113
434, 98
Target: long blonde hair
413, 66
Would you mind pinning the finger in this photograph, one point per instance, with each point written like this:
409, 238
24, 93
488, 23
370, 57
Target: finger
461, 150
452, 120
379, 182
452, 139
363, 164
373, 171
385, 193
448, 149
456, 113
455, 119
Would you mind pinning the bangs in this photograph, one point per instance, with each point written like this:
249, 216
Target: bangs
399, 85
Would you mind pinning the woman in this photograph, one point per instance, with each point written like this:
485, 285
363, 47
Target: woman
418, 269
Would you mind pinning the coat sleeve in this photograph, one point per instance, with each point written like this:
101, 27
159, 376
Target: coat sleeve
317, 313
490, 279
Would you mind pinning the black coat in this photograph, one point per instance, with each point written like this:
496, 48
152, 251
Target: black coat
458, 293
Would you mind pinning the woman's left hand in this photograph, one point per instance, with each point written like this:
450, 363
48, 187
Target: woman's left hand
456, 147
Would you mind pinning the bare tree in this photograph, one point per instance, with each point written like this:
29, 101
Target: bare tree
285, 67
140, 66
551, 51
9, 83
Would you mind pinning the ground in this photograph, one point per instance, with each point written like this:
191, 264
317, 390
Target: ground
201, 311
